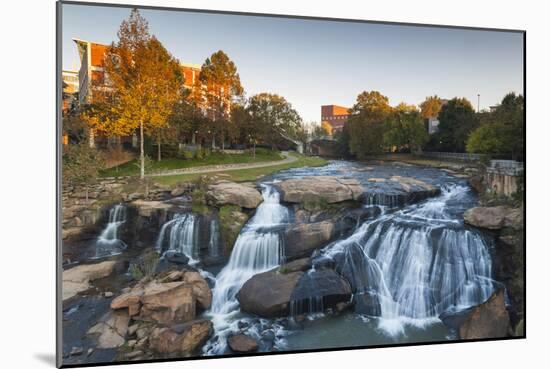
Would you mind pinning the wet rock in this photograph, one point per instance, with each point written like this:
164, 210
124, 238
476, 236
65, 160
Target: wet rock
78, 279
325, 188
147, 208
241, 343
231, 193
76, 351
367, 303
111, 329
496, 217
299, 265
268, 294
488, 320
231, 221
176, 258
301, 239
181, 340
108, 294
323, 285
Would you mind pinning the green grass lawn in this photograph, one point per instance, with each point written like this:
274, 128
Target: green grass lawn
244, 175
217, 158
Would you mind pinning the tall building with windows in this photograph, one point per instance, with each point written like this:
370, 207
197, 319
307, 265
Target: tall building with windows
334, 115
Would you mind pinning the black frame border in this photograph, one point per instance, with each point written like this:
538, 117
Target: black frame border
58, 152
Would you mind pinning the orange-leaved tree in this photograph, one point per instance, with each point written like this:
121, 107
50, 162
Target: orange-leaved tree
143, 84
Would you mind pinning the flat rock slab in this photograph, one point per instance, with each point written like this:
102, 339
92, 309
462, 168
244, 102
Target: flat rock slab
495, 217
77, 279
327, 188
231, 193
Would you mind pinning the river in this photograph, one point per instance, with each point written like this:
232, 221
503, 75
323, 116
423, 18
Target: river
405, 266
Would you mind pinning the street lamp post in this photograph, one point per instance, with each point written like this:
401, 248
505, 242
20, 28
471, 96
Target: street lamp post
478, 103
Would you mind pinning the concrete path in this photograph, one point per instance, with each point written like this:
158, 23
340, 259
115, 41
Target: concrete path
226, 167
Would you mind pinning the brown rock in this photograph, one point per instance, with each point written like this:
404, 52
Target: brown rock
78, 279
242, 343
488, 320
327, 188
231, 193
495, 217
301, 239
201, 291
180, 340
268, 294
111, 329
167, 303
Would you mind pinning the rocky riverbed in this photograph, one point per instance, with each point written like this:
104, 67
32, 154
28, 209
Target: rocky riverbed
348, 254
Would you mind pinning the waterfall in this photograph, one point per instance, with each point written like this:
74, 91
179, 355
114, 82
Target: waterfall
258, 248
410, 266
180, 235
214, 250
108, 242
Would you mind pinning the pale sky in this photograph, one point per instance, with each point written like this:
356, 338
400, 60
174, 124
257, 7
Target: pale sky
313, 62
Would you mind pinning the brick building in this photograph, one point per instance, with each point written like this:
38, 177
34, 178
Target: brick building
334, 115
92, 76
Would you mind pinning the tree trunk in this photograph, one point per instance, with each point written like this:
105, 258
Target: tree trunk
141, 152
159, 155
254, 150
87, 200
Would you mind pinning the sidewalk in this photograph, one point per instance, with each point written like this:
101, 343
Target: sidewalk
226, 167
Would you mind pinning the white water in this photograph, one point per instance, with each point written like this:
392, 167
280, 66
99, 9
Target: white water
108, 242
417, 263
257, 249
180, 235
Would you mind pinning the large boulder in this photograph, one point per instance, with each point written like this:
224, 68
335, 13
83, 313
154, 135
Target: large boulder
269, 294
324, 286
231, 193
172, 298
302, 238
181, 340
77, 279
495, 217
166, 303
322, 188
488, 320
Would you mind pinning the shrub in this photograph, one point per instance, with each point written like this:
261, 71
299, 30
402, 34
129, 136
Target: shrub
145, 266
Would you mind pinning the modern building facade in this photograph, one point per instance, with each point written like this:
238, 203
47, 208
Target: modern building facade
334, 115
92, 72
70, 89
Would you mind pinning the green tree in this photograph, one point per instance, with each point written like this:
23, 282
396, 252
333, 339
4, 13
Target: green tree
457, 119
366, 124
405, 130
501, 132
223, 84
275, 117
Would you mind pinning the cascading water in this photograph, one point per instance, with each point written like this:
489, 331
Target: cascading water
179, 235
214, 245
410, 266
108, 242
257, 249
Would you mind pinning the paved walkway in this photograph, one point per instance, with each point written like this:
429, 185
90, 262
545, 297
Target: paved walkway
226, 167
